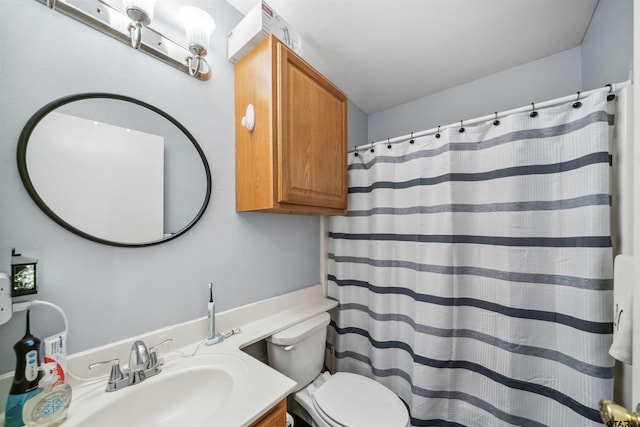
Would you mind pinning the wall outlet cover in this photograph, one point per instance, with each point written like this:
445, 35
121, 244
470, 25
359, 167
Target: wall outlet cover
5, 298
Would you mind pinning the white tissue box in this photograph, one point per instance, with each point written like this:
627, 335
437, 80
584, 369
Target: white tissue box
256, 26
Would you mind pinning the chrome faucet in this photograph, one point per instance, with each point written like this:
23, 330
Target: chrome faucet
143, 363
139, 363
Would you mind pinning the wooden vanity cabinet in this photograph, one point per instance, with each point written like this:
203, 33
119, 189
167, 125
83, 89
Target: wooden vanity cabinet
295, 159
275, 417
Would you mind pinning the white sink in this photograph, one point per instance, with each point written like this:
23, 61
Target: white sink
189, 391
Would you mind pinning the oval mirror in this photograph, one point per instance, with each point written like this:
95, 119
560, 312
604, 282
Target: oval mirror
114, 169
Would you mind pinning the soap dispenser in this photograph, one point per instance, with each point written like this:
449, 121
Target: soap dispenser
25, 378
49, 407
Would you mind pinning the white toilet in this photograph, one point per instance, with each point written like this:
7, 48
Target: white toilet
339, 400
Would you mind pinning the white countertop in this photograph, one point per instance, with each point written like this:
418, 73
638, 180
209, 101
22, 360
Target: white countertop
265, 386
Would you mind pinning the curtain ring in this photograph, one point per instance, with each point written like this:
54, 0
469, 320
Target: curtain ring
438, 133
372, 150
577, 104
355, 153
533, 112
411, 141
611, 95
496, 122
461, 130
388, 144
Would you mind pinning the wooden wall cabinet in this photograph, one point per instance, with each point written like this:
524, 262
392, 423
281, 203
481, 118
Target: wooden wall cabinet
275, 417
295, 159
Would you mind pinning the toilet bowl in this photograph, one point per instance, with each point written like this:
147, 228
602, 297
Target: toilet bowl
339, 400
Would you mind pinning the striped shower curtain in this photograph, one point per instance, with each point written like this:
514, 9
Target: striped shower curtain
474, 270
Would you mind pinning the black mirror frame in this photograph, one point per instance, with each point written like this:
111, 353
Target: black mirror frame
26, 180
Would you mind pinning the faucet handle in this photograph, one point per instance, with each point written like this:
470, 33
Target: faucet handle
116, 372
153, 354
117, 379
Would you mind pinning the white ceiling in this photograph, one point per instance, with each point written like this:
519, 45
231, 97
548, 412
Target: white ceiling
383, 53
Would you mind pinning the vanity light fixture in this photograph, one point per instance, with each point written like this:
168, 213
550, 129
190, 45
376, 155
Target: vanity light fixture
198, 26
133, 26
141, 14
23, 275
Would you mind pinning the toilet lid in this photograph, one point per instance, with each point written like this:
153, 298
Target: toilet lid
354, 400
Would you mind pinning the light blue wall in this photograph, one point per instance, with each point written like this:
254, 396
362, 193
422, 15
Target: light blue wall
112, 293
607, 47
605, 56
357, 131
547, 78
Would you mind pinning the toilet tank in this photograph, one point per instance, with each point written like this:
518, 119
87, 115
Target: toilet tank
298, 351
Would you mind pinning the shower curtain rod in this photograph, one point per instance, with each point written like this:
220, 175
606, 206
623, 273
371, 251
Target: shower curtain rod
613, 88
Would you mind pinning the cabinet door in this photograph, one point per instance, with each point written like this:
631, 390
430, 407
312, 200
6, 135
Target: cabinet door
276, 417
255, 150
312, 135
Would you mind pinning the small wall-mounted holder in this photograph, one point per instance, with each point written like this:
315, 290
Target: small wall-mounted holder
23, 275
5, 299
249, 119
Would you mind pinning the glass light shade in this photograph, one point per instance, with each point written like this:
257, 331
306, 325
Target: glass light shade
146, 6
198, 26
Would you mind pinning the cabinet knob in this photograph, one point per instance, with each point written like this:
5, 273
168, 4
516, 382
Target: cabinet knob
249, 119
